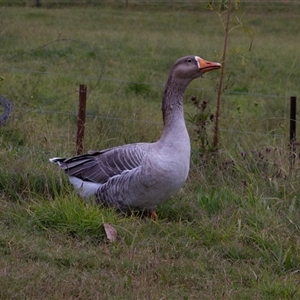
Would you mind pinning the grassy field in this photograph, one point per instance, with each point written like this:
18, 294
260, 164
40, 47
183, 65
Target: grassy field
232, 232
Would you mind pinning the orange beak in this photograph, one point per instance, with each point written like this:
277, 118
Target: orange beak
206, 66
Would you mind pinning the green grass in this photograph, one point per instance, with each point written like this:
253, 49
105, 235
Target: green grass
232, 231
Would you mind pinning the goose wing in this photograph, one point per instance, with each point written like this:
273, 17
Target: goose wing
99, 166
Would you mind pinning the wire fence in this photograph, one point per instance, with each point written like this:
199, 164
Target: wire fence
125, 119
98, 78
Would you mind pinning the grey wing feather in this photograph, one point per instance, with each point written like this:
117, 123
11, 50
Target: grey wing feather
100, 166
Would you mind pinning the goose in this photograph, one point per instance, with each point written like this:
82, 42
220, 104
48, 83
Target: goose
137, 177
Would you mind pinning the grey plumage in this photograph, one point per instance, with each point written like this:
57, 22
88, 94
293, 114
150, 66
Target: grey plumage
142, 175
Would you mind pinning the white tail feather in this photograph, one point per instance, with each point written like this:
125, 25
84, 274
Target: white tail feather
85, 189
55, 160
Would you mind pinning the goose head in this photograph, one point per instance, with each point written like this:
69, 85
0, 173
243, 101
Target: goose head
191, 67
187, 69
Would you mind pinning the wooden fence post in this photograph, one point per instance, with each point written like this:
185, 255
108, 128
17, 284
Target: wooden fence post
81, 118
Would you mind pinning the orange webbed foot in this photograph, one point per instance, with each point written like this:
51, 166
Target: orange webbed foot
153, 215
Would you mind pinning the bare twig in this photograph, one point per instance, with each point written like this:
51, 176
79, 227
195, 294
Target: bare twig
217, 115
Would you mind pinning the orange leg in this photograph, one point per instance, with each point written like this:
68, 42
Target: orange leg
153, 215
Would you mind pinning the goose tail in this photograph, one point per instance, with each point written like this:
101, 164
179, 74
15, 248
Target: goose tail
57, 160
84, 188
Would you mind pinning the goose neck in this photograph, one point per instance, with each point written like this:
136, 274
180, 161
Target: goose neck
172, 104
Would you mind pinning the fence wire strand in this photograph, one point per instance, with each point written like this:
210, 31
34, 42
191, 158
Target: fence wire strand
86, 45
99, 77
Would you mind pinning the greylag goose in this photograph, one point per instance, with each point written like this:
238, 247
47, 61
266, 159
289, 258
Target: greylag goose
140, 176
